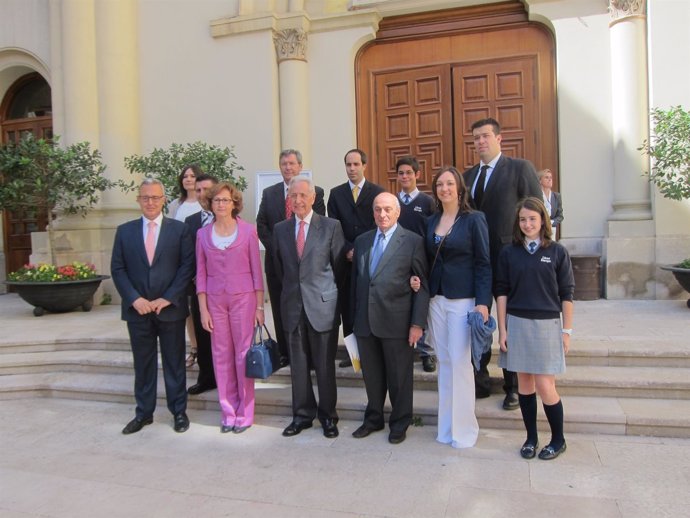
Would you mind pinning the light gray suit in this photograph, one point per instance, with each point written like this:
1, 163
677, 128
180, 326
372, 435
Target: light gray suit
309, 310
384, 309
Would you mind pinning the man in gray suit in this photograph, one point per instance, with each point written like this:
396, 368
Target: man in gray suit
495, 185
309, 257
389, 317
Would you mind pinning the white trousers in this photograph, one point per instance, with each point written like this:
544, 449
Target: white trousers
450, 336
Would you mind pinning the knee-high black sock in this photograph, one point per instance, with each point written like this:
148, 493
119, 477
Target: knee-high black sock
528, 407
554, 413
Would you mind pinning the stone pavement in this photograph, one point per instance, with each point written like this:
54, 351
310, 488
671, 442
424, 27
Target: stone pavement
67, 458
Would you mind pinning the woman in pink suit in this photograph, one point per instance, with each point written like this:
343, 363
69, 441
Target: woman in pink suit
230, 287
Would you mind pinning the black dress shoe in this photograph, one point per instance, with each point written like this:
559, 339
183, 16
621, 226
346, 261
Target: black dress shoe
330, 429
363, 431
550, 453
429, 363
511, 401
197, 389
284, 361
181, 422
136, 424
294, 428
347, 362
528, 450
396, 436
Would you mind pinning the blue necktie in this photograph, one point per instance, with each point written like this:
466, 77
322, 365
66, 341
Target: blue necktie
406, 199
532, 247
376, 253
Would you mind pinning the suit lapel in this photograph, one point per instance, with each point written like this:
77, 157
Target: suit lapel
495, 178
392, 248
163, 234
313, 236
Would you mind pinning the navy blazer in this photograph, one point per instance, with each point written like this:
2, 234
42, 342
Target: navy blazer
168, 276
511, 180
272, 211
462, 267
355, 218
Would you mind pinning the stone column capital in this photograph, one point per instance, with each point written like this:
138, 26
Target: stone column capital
620, 9
291, 44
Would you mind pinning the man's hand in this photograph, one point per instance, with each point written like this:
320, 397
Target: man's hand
159, 305
143, 306
415, 334
484, 310
415, 283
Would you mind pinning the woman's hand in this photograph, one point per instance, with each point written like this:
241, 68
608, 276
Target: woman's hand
260, 317
206, 321
415, 283
503, 341
566, 342
484, 310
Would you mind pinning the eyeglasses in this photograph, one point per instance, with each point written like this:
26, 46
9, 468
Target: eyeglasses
222, 201
147, 199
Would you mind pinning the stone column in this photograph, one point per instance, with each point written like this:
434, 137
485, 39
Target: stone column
118, 95
630, 244
628, 31
291, 48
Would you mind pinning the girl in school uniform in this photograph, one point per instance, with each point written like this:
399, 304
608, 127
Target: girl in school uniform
534, 289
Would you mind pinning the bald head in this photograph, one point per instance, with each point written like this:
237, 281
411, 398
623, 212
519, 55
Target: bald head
386, 211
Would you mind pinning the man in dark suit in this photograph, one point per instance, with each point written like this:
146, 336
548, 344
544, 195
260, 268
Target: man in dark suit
308, 259
389, 318
206, 380
495, 185
274, 208
350, 203
152, 264
415, 208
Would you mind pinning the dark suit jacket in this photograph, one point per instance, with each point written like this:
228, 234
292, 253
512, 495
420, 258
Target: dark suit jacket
384, 303
556, 208
168, 276
355, 218
312, 282
272, 211
511, 180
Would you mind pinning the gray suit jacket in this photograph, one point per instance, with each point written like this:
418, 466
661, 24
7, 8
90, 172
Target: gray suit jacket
384, 303
309, 283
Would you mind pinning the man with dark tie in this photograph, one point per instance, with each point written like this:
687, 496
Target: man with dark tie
495, 185
415, 208
308, 259
389, 318
350, 203
206, 380
152, 264
274, 208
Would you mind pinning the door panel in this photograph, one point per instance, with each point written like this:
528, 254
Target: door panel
413, 117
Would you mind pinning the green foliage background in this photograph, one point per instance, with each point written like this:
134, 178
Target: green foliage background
166, 164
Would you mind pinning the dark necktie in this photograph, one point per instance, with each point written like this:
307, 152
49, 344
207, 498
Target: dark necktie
479, 188
406, 199
532, 247
206, 217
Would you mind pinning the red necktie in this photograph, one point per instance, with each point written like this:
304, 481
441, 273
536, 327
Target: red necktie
288, 209
150, 243
300, 239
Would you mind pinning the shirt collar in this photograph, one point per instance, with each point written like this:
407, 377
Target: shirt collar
412, 194
307, 218
158, 220
387, 233
491, 164
360, 184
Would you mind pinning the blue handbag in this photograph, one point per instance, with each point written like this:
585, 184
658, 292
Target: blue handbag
259, 363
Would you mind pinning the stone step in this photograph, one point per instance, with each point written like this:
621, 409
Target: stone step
608, 415
578, 380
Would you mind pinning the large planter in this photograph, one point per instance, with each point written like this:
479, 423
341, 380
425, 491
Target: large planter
58, 297
682, 275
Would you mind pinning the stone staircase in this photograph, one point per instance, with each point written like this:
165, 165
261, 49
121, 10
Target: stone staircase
626, 387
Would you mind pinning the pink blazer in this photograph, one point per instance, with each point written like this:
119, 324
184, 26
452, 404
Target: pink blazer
237, 269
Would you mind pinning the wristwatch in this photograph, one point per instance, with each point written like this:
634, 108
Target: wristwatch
567, 331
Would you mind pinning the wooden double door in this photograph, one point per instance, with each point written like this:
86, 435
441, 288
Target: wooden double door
420, 97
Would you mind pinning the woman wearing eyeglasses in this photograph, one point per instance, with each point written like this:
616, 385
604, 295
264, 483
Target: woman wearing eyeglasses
230, 288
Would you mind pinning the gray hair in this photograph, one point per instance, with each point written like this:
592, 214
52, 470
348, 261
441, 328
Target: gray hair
302, 178
152, 181
288, 152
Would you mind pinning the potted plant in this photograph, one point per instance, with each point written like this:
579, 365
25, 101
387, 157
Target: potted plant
166, 164
39, 174
669, 149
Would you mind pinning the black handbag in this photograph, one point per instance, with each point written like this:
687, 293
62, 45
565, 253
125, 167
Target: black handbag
263, 358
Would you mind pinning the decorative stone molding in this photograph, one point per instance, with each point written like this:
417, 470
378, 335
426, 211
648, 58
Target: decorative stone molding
625, 8
290, 44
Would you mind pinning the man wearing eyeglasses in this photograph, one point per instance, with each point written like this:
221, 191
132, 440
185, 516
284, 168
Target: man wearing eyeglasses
152, 265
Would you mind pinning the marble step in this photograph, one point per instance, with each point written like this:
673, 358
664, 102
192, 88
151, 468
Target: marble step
578, 380
607, 415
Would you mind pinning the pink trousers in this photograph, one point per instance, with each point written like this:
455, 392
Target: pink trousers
233, 326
